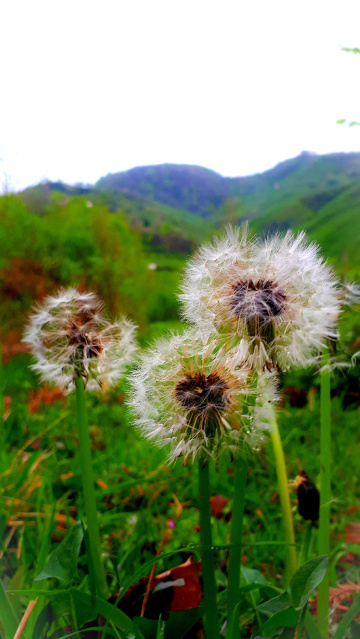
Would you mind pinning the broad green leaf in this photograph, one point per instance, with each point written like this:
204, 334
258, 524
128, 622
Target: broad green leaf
180, 622
62, 563
74, 605
347, 618
119, 618
265, 588
305, 580
288, 617
148, 627
312, 630
85, 608
249, 575
275, 605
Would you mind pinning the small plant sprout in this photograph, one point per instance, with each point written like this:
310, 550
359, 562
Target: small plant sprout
76, 347
70, 337
278, 297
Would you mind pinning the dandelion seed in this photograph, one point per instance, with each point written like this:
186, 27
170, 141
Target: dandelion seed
278, 298
190, 393
69, 337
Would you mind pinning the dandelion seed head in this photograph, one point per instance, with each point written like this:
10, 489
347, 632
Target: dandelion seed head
190, 393
278, 296
70, 336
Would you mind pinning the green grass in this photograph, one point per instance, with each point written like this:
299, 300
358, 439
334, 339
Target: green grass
138, 491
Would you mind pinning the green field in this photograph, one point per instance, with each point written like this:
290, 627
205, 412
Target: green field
132, 252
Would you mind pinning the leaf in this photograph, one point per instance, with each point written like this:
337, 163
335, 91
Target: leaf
305, 580
188, 595
62, 563
146, 568
148, 627
41, 560
286, 618
249, 575
275, 605
73, 604
160, 629
232, 631
312, 630
350, 49
258, 586
355, 630
86, 608
119, 618
44, 621
181, 621
347, 618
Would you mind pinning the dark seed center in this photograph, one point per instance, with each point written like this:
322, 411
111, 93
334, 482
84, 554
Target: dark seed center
201, 394
87, 344
261, 300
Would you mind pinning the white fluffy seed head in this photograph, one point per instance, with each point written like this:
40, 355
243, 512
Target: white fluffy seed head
69, 336
189, 393
278, 297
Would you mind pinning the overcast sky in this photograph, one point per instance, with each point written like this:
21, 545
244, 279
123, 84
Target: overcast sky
90, 88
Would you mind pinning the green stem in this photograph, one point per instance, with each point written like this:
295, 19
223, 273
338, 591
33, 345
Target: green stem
87, 476
7, 615
306, 541
291, 561
325, 495
236, 538
207, 555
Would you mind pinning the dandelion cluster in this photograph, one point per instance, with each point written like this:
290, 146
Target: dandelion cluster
254, 308
192, 394
70, 337
278, 297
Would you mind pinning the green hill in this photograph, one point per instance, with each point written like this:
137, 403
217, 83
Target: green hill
176, 207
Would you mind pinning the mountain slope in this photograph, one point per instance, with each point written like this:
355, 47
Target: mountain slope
192, 188
202, 191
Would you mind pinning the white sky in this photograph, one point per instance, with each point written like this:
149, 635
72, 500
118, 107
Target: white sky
90, 87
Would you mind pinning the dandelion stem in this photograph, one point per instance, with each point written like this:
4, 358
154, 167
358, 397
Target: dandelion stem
7, 614
306, 543
291, 560
87, 475
207, 554
236, 538
325, 494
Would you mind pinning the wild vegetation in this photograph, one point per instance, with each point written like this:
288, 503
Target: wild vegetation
131, 246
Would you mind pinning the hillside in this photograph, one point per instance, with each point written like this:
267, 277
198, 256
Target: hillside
176, 207
202, 191
192, 188
319, 193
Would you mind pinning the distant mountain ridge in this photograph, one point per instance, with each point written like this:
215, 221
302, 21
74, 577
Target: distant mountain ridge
176, 207
203, 191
